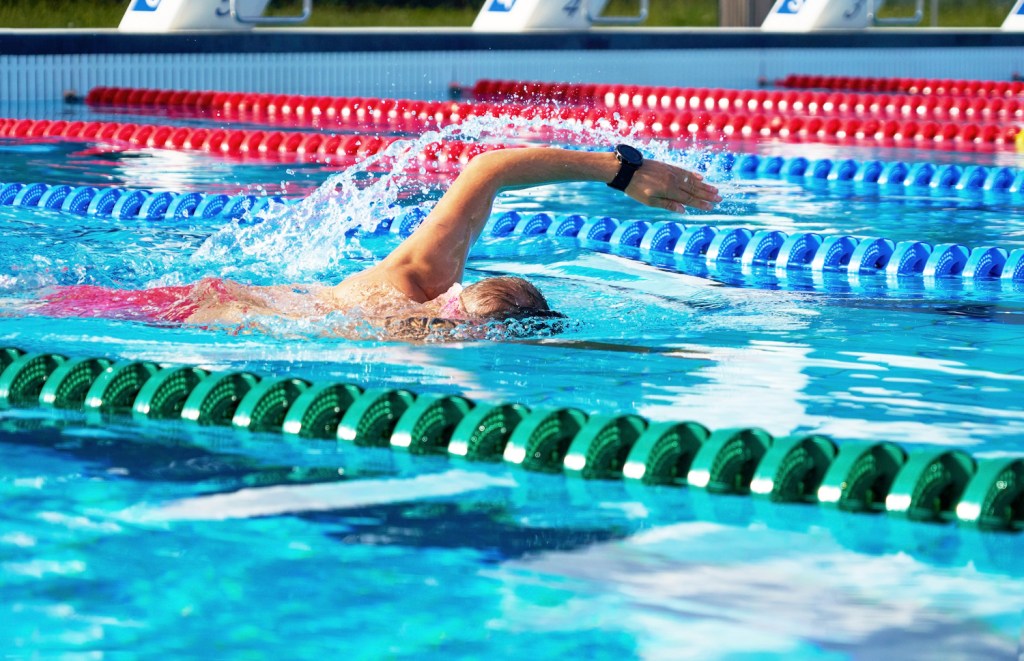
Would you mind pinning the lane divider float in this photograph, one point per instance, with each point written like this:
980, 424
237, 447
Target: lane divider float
997, 184
692, 248
288, 146
922, 86
782, 103
131, 203
697, 249
939, 486
408, 115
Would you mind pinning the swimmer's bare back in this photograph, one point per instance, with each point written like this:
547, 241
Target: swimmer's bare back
365, 296
226, 302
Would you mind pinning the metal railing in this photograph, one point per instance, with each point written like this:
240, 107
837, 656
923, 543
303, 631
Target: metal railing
307, 11
597, 19
875, 5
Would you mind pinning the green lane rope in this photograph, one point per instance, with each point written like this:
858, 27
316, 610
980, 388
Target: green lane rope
117, 387
265, 406
600, 449
664, 453
484, 432
372, 417
792, 468
163, 396
924, 485
67, 386
318, 411
427, 425
215, 400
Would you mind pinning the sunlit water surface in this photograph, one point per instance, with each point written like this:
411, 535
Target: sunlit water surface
113, 538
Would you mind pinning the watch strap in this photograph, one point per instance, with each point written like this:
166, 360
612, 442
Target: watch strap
624, 176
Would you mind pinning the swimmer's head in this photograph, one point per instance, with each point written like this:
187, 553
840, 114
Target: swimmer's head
504, 298
479, 311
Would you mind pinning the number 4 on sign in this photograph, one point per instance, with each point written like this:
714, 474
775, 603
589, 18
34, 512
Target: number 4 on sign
571, 7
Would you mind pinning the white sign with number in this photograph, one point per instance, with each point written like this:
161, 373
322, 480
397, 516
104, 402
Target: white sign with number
1015, 20
168, 15
519, 15
807, 15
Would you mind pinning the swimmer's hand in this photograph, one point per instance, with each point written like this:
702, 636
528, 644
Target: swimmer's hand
665, 186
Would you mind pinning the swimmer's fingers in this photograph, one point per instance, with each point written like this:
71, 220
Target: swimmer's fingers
668, 187
667, 204
695, 191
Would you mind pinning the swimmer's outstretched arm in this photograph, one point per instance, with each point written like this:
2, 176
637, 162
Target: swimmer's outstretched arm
431, 260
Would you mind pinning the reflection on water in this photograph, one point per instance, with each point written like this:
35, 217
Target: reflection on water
342, 543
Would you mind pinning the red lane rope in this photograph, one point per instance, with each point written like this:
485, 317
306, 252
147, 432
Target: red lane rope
684, 124
928, 86
292, 146
381, 114
780, 102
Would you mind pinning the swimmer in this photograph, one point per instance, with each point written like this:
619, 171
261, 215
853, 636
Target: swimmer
421, 278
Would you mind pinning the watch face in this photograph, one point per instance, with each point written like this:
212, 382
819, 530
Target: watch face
630, 155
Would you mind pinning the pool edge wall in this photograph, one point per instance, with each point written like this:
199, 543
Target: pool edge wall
37, 67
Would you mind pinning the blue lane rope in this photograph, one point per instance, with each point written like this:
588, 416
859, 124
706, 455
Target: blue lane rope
662, 243
671, 244
132, 203
1004, 183
879, 176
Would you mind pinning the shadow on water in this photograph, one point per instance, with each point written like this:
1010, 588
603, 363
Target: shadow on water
486, 526
543, 512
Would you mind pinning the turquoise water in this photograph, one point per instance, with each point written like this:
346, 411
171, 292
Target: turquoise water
113, 536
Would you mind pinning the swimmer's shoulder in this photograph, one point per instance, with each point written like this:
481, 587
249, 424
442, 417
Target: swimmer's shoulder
369, 293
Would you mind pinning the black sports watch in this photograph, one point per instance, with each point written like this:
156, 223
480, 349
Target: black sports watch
630, 160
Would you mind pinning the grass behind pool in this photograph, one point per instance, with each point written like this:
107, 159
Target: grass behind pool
359, 13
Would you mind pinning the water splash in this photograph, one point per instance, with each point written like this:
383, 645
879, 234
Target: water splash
317, 236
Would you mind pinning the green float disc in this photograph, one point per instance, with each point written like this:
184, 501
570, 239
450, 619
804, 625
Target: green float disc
426, 426
484, 432
163, 396
600, 449
792, 469
663, 454
115, 389
8, 355
540, 442
215, 399
22, 381
67, 386
860, 476
929, 485
264, 407
371, 418
994, 498
727, 460
317, 412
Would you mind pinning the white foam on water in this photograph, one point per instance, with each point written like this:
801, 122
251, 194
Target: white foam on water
304, 239
290, 499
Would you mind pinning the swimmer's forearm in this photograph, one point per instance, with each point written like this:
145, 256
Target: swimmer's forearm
521, 168
429, 261
655, 184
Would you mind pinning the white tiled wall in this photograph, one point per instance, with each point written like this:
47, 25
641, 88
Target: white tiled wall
44, 78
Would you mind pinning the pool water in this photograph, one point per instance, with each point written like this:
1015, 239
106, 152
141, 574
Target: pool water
158, 538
